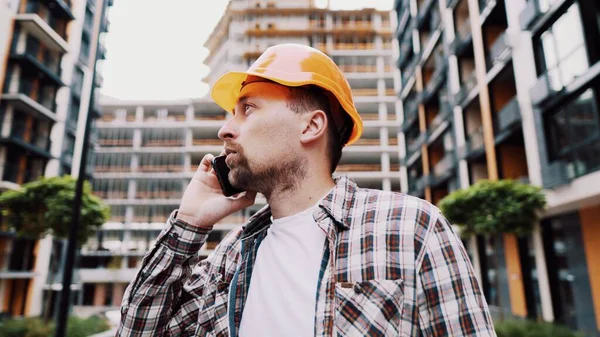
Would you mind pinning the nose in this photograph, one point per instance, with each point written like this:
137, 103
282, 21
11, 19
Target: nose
229, 130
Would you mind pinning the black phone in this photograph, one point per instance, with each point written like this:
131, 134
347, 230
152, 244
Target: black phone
222, 172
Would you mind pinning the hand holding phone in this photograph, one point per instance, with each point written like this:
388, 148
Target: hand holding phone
204, 201
222, 173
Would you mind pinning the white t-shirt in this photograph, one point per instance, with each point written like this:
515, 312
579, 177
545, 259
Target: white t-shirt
283, 288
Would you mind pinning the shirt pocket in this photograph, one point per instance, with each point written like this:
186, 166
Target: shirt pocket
368, 308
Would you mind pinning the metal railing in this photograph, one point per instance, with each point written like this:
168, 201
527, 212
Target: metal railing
500, 49
508, 115
475, 140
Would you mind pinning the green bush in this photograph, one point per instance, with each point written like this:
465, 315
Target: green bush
36, 327
523, 328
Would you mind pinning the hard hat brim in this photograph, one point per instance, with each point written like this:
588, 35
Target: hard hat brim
226, 90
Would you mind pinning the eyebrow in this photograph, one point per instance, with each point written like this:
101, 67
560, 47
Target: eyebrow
243, 99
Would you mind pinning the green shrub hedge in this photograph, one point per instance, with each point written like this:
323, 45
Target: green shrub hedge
525, 328
36, 327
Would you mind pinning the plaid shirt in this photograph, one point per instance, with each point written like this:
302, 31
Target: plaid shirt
392, 266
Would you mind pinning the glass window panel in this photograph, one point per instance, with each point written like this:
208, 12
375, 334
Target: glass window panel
549, 49
573, 66
583, 120
557, 132
567, 32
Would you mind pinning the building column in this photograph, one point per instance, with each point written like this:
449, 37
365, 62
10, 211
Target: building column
35, 293
542, 274
590, 232
117, 295
99, 294
511, 249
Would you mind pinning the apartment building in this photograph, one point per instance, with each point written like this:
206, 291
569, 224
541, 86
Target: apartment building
148, 151
509, 89
48, 50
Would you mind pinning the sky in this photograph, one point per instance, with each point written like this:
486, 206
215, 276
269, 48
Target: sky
155, 48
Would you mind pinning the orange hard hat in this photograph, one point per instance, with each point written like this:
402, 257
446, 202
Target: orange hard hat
292, 65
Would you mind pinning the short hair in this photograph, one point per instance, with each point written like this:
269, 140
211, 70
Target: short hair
310, 98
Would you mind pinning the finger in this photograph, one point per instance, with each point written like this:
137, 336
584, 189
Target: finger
206, 163
246, 200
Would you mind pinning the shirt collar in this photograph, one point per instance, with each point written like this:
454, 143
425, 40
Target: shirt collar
337, 204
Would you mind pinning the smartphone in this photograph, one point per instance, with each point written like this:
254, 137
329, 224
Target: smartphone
222, 172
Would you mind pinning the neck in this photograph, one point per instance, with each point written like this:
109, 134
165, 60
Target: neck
305, 194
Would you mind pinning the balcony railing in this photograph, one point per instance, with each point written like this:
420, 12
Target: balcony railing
369, 116
44, 96
443, 115
209, 117
163, 142
445, 165
47, 58
158, 194
115, 142
359, 168
368, 142
58, 25
467, 85
353, 46
547, 86
111, 194
112, 168
215, 141
414, 145
475, 140
19, 175
161, 168
410, 113
358, 68
463, 34
530, 14
500, 50
509, 115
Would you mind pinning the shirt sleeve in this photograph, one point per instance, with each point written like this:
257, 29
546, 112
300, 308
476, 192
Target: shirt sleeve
449, 296
159, 302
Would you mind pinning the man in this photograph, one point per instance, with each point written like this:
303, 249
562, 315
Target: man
325, 257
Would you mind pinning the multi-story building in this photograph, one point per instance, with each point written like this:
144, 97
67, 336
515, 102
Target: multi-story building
509, 89
148, 151
49, 49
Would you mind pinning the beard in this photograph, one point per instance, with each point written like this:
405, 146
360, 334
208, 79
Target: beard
281, 176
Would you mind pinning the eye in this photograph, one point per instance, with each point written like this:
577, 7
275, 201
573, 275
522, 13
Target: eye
247, 108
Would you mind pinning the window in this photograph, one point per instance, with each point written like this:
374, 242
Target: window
573, 133
561, 51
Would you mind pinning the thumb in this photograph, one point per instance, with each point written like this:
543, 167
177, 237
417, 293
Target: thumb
246, 199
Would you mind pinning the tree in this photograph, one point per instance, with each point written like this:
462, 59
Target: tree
45, 206
492, 208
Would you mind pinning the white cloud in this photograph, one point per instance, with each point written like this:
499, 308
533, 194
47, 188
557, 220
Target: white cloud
155, 47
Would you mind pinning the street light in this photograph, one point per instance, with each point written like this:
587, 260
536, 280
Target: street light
65, 295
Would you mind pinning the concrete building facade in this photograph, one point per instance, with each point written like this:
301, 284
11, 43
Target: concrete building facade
48, 51
509, 89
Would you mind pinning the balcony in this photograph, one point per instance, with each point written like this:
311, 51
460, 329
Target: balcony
161, 168
221, 117
20, 175
508, 116
439, 74
416, 186
352, 46
444, 114
158, 194
46, 64
207, 142
30, 99
475, 142
500, 50
406, 47
115, 142
372, 92
61, 8
33, 23
358, 168
530, 14
462, 38
546, 87
444, 168
358, 68
409, 71
451, 3
112, 168
415, 144
411, 113
467, 86
423, 9
111, 194
163, 143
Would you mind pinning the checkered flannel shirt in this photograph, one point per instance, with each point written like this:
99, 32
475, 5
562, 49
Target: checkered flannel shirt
392, 266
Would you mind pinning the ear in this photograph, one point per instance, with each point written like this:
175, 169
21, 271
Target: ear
314, 126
